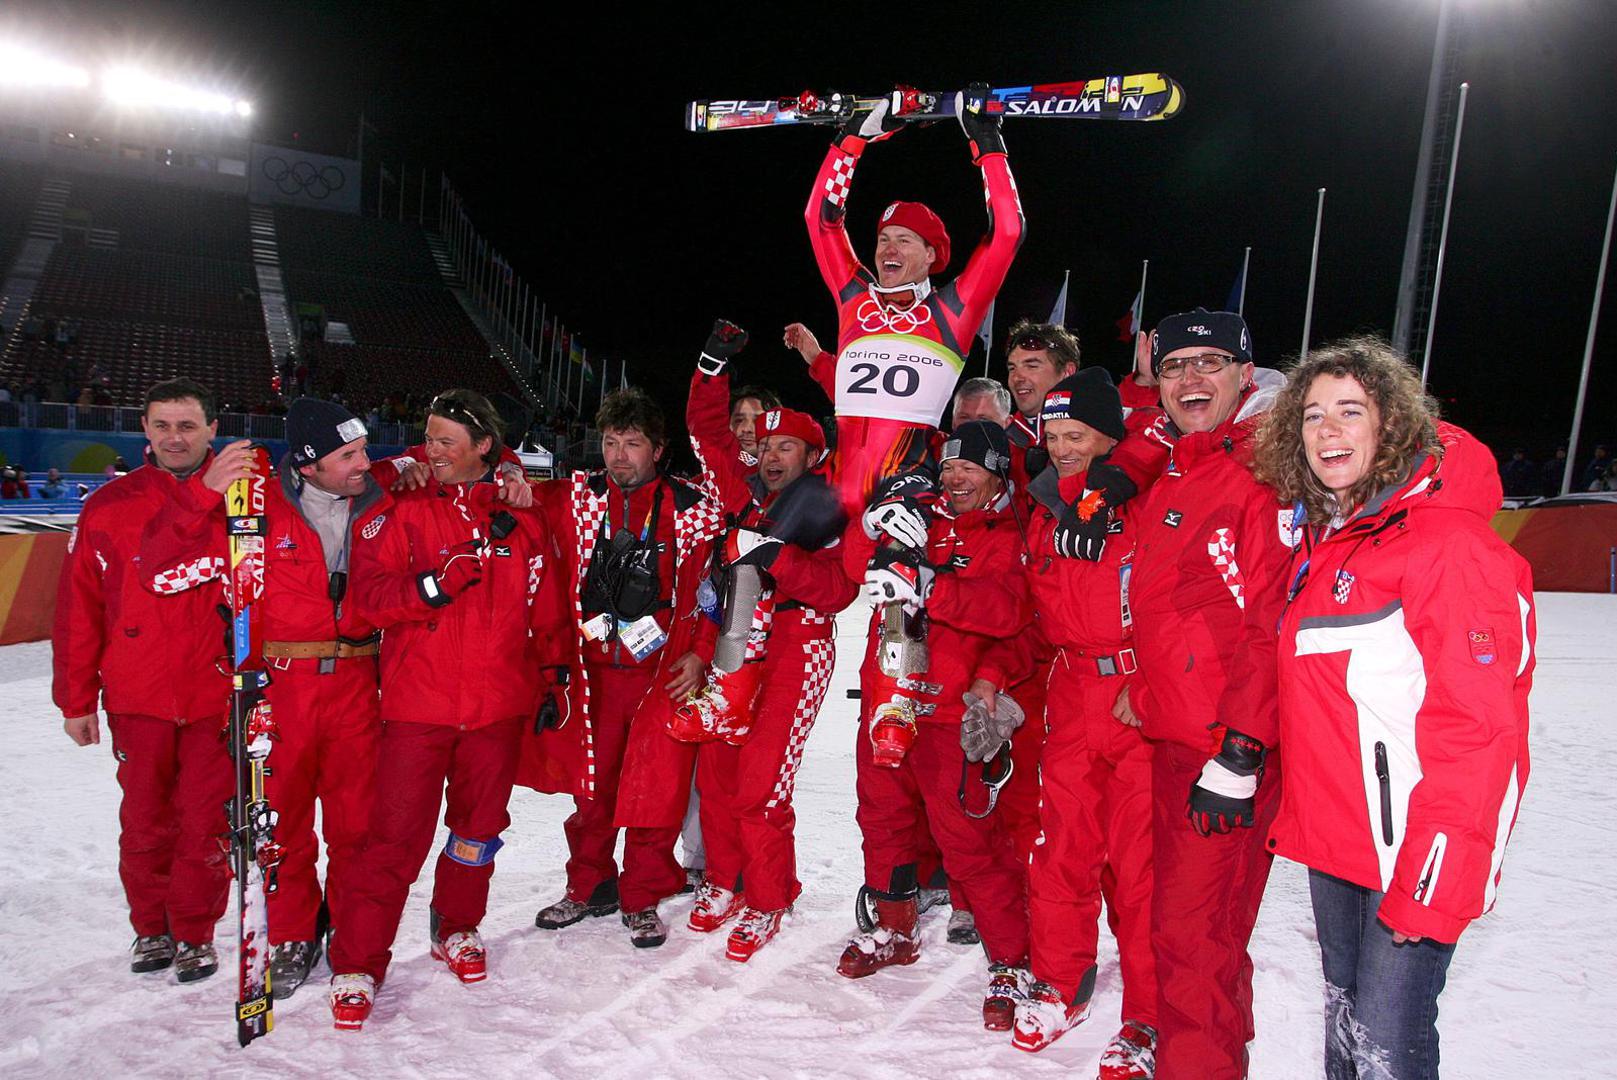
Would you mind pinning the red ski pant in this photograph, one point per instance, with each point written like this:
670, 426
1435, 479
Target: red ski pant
650, 870
869, 450
1095, 809
977, 853
176, 779
1204, 902
415, 760
327, 750
1018, 805
746, 803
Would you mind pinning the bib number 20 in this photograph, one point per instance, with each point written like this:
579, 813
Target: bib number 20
896, 381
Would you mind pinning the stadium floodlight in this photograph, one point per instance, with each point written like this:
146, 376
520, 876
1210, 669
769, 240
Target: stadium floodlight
24, 67
131, 87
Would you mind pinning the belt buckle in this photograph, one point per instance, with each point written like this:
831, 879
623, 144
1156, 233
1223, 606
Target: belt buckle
1106, 665
1130, 665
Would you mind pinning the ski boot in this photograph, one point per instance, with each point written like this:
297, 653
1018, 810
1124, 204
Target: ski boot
963, 928
195, 962
1132, 1053
463, 953
1007, 985
892, 731
714, 907
646, 928
755, 930
290, 964
351, 999
894, 941
720, 710
151, 952
1042, 1017
567, 911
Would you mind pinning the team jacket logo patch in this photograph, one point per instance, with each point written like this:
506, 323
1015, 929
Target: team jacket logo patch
1172, 518
1344, 586
373, 526
1483, 649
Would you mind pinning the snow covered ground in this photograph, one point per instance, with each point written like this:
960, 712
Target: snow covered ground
1529, 993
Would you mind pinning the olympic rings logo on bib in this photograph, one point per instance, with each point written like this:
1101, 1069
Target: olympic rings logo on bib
874, 316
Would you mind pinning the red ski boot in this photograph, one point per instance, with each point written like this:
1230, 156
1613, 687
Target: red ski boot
1132, 1053
755, 930
894, 941
1007, 985
351, 999
1043, 1016
463, 952
720, 710
714, 907
892, 731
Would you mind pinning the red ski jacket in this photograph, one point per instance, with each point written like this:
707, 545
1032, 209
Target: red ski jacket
1406, 657
142, 654
1080, 607
807, 571
188, 548
979, 597
476, 660
562, 760
1212, 545
903, 365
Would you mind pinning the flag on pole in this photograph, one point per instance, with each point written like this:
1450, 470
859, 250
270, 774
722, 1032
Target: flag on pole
1237, 298
1058, 313
623, 375
1129, 324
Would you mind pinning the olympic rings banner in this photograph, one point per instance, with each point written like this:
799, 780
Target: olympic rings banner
30, 564
299, 178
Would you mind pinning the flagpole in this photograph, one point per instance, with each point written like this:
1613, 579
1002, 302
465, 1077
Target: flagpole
1313, 266
1443, 235
604, 364
1246, 261
1139, 322
583, 379
1589, 346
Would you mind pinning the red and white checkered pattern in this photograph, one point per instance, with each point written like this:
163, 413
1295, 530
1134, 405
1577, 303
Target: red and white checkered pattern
1221, 549
763, 619
841, 178
588, 513
188, 575
536, 572
819, 658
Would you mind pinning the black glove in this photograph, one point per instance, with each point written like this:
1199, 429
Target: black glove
879, 123
550, 713
1082, 528
725, 341
1225, 794
1035, 460
981, 128
459, 572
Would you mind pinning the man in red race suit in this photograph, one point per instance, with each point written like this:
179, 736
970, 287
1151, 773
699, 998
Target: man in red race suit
1208, 588
149, 661
635, 543
781, 584
901, 342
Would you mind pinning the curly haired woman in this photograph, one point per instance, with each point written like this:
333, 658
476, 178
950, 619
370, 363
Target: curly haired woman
1406, 655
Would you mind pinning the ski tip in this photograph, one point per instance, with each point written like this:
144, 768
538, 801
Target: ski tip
1176, 101
696, 116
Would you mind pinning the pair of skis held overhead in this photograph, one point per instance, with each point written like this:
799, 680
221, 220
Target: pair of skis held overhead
254, 852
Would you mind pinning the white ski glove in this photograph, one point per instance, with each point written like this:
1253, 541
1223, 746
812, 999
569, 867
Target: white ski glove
897, 519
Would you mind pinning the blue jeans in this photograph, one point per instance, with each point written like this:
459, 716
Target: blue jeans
1380, 998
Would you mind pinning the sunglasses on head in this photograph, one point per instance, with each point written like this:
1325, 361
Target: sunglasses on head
1030, 341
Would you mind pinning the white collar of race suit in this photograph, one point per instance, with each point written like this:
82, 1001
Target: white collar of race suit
920, 290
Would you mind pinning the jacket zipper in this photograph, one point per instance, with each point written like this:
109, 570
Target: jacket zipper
1385, 779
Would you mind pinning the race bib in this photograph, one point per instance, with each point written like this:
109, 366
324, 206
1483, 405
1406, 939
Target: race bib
896, 377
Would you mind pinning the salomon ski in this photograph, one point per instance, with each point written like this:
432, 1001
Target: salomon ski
1144, 96
254, 852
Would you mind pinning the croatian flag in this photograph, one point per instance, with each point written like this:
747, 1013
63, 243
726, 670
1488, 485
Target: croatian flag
1129, 324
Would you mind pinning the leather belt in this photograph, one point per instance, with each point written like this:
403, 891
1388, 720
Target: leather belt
319, 650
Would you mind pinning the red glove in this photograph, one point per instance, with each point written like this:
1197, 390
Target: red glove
462, 570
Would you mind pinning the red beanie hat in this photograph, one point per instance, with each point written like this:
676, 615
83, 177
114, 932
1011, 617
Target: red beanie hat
917, 218
790, 422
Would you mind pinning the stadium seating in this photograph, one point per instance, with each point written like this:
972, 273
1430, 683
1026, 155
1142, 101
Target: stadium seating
157, 281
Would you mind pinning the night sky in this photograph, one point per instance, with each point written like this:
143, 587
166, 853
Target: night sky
565, 139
